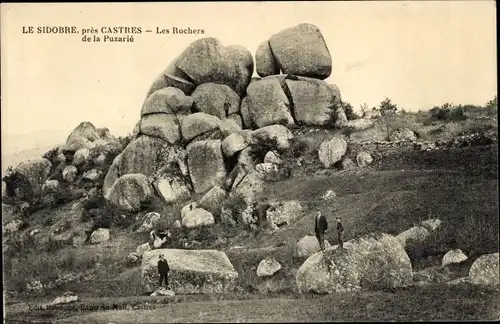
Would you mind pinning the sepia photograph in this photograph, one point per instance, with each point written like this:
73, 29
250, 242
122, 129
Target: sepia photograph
258, 161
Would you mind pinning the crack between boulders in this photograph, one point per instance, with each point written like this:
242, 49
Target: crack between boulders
288, 94
185, 75
276, 61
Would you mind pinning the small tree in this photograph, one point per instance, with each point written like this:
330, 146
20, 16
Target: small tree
349, 110
387, 108
387, 111
364, 109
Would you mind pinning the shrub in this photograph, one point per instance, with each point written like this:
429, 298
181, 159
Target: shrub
235, 204
52, 156
456, 114
300, 146
349, 111
259, 150
447, 112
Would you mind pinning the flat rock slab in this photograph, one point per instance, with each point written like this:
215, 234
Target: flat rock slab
191, 271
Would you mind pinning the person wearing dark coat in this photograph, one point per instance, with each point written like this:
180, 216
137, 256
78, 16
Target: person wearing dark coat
320, 227
163, 270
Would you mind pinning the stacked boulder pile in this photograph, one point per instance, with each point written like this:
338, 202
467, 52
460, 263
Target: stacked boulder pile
205, 112
83, 158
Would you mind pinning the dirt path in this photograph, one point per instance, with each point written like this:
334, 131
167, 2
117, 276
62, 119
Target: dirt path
412, 304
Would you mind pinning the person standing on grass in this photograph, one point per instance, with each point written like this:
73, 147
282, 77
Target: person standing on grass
320, 227
340, 232
163, 270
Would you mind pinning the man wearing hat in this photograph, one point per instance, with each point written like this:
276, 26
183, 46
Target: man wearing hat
163, 270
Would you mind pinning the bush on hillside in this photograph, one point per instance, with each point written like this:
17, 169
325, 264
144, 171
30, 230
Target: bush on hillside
447, 112
259, 150
349, 111
301, 146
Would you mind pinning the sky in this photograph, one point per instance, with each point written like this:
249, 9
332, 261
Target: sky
419, 54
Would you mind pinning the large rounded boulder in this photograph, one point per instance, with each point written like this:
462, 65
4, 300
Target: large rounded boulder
331, 151
162, 126
167, 100
267, 103
86, 130
485, 271
198, 124
216, 99
146, 155
129, 191
28, 177
314, 101
265, 64
301, 50
206, 60
369, 262
244, 67
191, 271
272, 134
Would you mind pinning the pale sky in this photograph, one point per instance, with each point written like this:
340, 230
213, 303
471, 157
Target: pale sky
419, 54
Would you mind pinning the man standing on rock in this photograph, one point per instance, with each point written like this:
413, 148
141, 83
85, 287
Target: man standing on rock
340, 232
163, 270
320, 227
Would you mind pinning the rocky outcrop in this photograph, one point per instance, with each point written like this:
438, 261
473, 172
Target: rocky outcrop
369, 262
191, 271
81, 157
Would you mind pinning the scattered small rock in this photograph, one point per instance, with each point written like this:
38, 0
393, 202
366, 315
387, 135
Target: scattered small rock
328, 195
268, 267
66, 298
100, 235
453, 256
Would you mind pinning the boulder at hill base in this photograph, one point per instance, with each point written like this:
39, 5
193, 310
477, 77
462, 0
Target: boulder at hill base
191, 271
